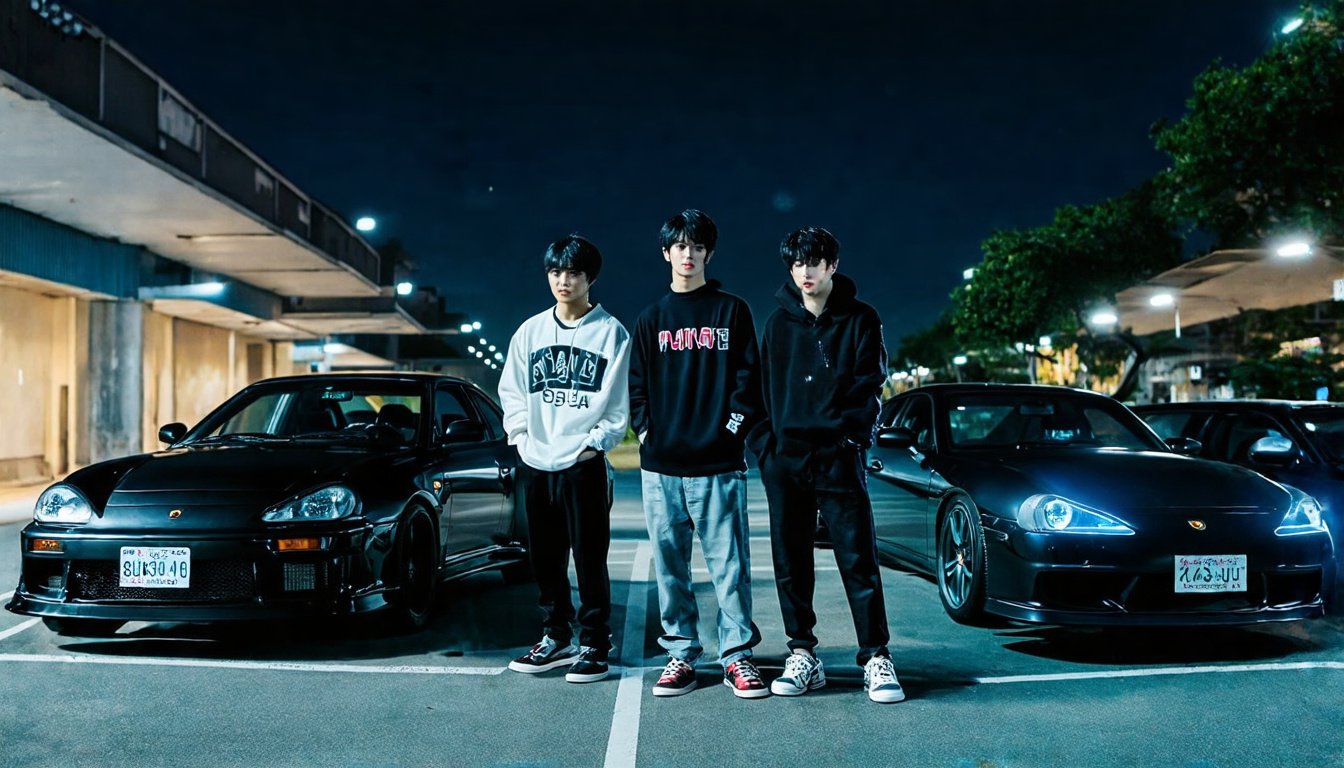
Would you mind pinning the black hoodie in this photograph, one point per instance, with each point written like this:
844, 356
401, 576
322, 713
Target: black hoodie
822, 376
694, 382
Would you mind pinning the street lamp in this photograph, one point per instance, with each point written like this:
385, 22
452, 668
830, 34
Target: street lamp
1293, 26
1103, 319
465, 328
1293, 249
1168, 300
405, 288
366, 224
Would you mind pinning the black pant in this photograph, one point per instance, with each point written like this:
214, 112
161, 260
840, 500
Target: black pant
570, 511
835, 486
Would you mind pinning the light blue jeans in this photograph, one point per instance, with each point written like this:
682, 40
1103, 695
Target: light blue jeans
675, 508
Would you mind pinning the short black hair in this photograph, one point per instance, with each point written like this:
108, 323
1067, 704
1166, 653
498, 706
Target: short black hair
810, 246
690, 226
576, 253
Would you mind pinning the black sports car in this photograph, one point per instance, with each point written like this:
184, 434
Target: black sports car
300, 496
1059, 506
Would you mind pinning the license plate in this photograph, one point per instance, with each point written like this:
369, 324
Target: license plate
1210, 573
156, 567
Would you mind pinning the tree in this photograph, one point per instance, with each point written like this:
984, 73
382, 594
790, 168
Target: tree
1045, 281
1260, 152
1267, 370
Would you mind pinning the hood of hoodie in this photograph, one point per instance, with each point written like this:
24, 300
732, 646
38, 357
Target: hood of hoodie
843, 295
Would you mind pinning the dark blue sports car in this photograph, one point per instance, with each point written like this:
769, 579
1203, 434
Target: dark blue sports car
300, 496
1059, 506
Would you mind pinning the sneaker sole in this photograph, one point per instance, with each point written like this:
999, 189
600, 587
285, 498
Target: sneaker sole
674, 691
571, 677
532, 669
886, 697
795, 691
750, 693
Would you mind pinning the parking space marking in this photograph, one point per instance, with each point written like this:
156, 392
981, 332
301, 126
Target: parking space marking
623, 742
6, 596
12, 631
1288, 666
273, 666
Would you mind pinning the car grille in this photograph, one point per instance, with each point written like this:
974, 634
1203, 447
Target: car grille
211, 581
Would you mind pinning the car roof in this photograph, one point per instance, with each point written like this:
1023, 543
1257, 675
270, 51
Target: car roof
972, 388
419, 377
1251, 403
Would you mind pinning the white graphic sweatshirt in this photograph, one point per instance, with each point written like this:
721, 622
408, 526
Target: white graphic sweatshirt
564, 388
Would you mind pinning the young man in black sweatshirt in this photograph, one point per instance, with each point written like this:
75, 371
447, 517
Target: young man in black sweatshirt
694, 393
822, 368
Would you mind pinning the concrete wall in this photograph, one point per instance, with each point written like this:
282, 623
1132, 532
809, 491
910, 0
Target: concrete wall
204, 359
36, 384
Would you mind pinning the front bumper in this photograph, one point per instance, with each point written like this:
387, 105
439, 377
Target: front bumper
1082, 580
233, 576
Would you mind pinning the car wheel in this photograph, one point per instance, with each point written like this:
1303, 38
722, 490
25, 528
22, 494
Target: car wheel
82, 627
961, 563
417, 576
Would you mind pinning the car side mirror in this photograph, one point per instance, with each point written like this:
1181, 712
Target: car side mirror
171, 433
1273, 451
1186, 446
461, 430
896, 437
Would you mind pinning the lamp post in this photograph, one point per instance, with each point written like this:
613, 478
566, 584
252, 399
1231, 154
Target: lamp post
1168, 300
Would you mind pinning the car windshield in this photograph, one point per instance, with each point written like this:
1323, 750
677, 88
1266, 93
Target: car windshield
1324, 426
1033, 419
317, 409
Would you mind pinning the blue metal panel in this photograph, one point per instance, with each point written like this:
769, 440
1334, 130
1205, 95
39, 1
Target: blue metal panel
34, 246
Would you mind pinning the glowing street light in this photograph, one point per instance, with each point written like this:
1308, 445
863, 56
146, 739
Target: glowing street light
476, 325
1293, 26
1293, 249
405, 288
960, 360
1168, 300
1103, 318
465, 328
366, 224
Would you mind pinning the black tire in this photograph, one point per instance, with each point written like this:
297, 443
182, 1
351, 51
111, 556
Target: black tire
82, 627
961, 563
417, 573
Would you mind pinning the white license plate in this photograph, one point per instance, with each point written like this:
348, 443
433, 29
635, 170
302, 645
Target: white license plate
1210, 573
156, 567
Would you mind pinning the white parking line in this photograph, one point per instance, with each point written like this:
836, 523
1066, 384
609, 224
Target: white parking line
6, 596
623, 743
278, 666
12, 631
1161, 671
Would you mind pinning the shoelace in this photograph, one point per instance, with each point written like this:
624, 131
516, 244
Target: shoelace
882, 672
745, 673
795, 666
674, 669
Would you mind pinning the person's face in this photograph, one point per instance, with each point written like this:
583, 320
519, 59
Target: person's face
569, 286
813, 280
688, 259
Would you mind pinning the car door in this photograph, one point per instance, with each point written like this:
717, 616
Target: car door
467, 479
1232, 434
899, 483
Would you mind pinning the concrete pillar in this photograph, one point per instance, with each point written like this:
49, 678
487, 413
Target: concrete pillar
116, 378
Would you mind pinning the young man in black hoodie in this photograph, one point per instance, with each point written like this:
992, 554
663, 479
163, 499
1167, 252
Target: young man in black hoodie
822, 368
694, 393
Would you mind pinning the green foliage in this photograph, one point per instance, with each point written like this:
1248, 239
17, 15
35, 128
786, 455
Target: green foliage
1287, 377
1260, 151
1044, 281
1264, 371
934, 347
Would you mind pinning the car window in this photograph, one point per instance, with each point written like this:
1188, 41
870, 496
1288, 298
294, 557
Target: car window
1032, 418
918, 418
449, 406
1107, 430
489, 412
315, 408
1324, 426
887, 416
1233, 438
1168, 424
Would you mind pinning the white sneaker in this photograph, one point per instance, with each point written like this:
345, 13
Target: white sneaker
545, 655
879, 680
802, 673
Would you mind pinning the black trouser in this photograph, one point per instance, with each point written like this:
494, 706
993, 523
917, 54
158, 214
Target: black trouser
570, 511
835, 486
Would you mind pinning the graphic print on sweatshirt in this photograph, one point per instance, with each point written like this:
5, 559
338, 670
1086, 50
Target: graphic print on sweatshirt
562, 373
693, 338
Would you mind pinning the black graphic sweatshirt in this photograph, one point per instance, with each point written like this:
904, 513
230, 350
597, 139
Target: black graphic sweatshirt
821, 376
694, 382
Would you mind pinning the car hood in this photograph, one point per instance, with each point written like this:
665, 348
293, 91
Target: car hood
216, 487
1126, 481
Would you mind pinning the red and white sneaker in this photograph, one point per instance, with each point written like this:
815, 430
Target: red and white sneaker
678, 677
745, 680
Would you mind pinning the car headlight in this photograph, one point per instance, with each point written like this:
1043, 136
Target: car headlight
62, 504
331, 503
1046, 513
1304, 516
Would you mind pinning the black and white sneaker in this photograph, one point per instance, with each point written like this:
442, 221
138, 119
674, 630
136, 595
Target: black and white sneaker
545, 655
590, 667
879, 680
802, 673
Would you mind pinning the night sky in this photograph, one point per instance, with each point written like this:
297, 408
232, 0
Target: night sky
478, 133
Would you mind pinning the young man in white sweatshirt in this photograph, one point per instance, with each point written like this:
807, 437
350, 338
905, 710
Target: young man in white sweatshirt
566, 402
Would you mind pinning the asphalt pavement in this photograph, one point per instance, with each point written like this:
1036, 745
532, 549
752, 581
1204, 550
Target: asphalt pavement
318, 694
